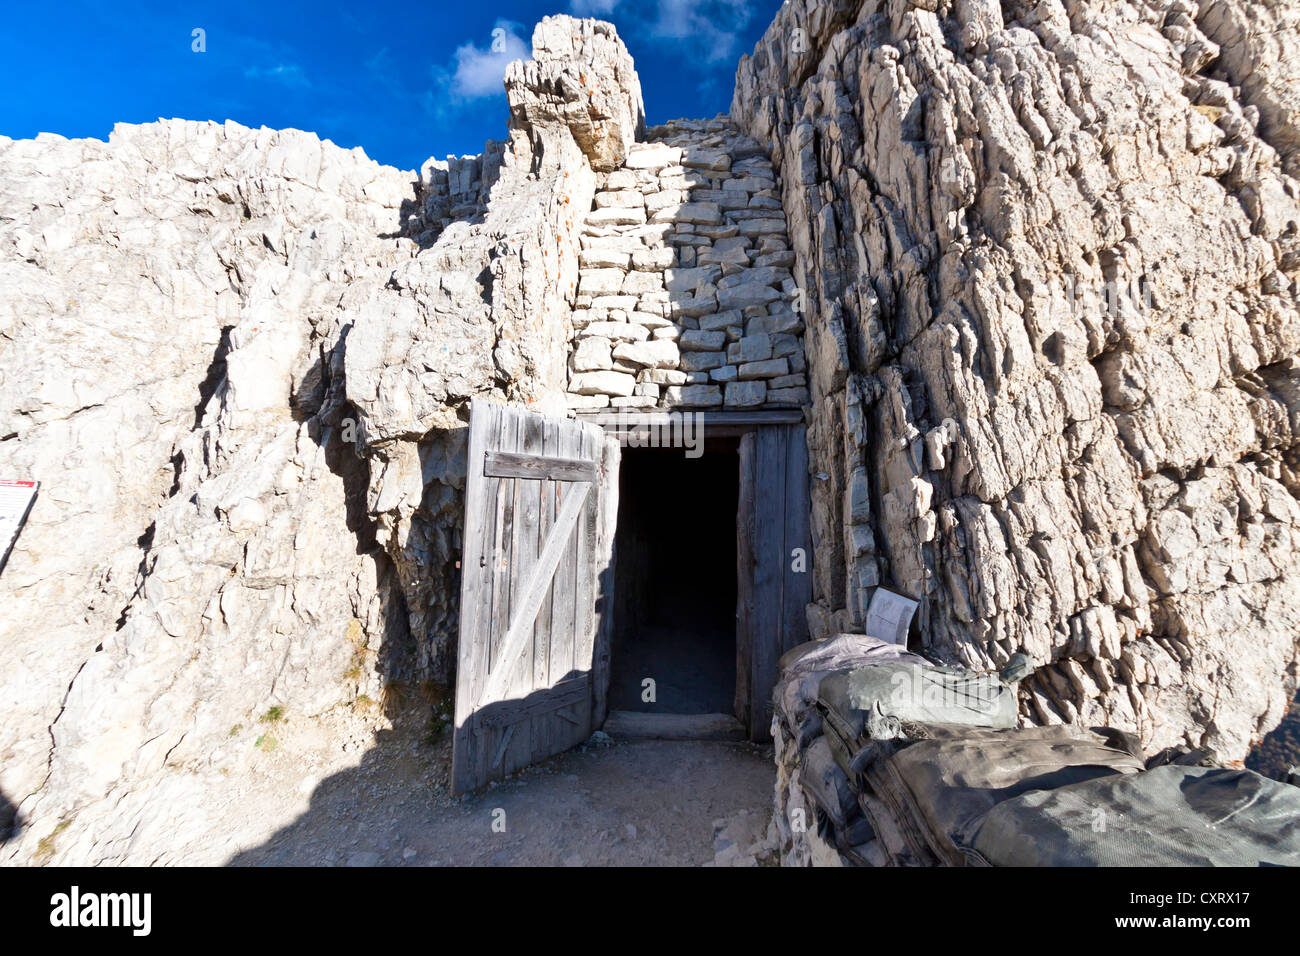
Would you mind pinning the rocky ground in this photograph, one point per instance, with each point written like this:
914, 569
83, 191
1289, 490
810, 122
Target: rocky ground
1280, 750
359, 790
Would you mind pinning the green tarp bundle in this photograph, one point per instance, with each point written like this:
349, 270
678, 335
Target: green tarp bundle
829, 789
942, 775
1167, 816
939, 788
918, 693
868, 712
804, 667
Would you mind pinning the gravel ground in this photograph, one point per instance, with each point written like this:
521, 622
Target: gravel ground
642, 804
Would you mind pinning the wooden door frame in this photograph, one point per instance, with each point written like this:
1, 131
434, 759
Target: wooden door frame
770, 597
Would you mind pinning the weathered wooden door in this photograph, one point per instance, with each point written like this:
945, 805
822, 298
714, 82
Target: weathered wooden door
773, 564
536, 590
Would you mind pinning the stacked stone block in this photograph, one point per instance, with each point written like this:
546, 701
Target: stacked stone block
453, 189
685, 296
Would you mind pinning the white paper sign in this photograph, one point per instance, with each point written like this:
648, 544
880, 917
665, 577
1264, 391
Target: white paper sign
15, 501
889, 616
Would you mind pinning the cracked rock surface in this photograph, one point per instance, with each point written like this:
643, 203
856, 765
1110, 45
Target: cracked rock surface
1030, 268
1050, 256
239, 362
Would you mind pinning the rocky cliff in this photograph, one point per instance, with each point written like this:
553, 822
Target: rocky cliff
1049, 253
1029, 268
238, 360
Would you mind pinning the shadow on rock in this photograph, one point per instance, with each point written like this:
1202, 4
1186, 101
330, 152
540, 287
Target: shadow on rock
10, 822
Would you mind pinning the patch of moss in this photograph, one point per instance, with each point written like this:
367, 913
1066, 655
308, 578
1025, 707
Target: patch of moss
265, 743
45, 848
355, 667
234, 731
440, 721
273, 715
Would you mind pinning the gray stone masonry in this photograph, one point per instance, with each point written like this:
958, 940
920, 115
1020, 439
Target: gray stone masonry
685, 296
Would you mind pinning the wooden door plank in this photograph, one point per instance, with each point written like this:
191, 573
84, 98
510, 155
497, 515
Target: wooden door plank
532, 591
744, 574
525, 638
512, 672
509, 435
594, 572
541, 651
475, 599
565, 694
562, 663
623, 419
769, 542
507, 735
584, 592
500, 536
797, 590
606, 525
548, 467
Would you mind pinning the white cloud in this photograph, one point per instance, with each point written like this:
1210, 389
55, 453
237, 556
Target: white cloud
711, 26
479, 72
709, 29
592, 8
290, 74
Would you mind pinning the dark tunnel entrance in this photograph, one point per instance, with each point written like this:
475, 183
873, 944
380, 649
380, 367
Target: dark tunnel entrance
675, 568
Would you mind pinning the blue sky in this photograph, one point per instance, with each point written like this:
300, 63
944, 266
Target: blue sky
404, 81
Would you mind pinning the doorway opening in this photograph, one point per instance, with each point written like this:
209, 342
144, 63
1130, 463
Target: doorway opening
697, 580
675, 572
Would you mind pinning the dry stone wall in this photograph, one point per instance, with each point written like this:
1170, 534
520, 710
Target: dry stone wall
1050, 256
685, 295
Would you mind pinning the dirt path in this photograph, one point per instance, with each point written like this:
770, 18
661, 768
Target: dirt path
652, 803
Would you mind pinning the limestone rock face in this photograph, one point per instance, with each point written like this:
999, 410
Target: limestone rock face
171, 363
1029, 268
1049, 258
1258, 53
483, 309
239, 361
580, 79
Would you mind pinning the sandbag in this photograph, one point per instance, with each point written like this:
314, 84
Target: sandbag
919, 693
802, 668
880, 736
1168, 816
826, 783
897, 838
938, 788
841, 652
